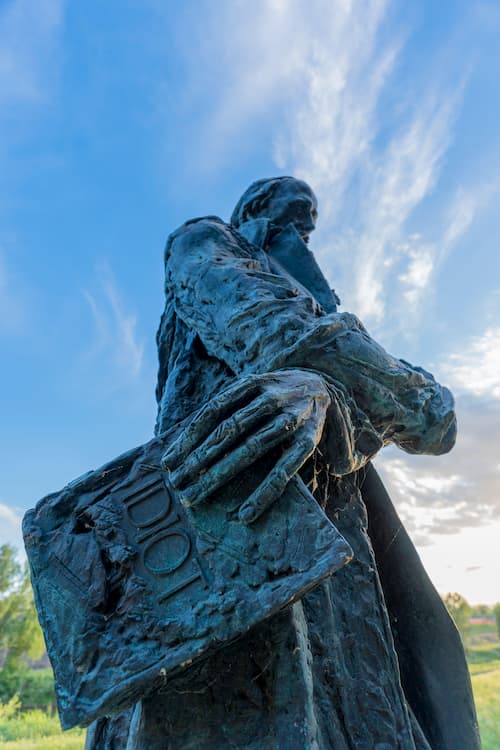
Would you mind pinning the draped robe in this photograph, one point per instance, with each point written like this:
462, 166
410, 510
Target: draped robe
369, 659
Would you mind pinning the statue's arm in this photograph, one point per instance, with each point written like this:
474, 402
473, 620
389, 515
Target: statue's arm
244, 314
285, 412
258, 322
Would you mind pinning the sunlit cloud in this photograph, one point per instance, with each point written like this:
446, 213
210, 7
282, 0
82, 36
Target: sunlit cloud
285, 53
10, 527
475, 369
371, 191
460, 490
467, 561
318, 76
330, 116
447, 494
417, 276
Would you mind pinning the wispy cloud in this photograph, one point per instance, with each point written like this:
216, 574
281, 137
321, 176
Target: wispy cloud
370, 186
461, 214
424, 258
282, 54
27, 30
456, 491
403, 177
116, 339
10, 527
329, 123
476, 368
319, 79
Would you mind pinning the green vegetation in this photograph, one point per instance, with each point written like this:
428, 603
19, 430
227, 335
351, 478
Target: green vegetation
28, 719
60, 742
20, 633
34, 730
482, 646
496, 611
484, 663
460, 609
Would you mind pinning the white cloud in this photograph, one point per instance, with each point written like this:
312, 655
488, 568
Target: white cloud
329, 86
476, 368
418, 273
467, 562
461, 215
116, 339
450, 505
423, 259
318, 77
282, 53
343, 69
458, 492
370, 190
448, 494
10, 527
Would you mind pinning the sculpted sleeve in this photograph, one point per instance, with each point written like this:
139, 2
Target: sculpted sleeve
257, 321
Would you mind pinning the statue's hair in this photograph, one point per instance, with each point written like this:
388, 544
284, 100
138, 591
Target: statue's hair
255, 199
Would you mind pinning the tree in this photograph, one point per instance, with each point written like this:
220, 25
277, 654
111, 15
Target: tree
496, 611
20, 633
460, 610
481, 610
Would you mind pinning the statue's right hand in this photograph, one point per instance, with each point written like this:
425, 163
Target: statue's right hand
285, 409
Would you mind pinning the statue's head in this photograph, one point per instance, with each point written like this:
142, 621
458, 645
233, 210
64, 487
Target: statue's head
282, 200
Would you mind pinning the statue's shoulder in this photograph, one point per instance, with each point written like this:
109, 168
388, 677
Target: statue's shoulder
199, 227
195, 233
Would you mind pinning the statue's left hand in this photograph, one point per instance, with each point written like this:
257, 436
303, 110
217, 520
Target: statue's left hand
257, 414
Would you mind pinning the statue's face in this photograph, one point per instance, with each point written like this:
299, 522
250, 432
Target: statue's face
294, 203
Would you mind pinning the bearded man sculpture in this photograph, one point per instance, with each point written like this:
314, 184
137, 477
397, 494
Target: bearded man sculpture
251, 335
248, 298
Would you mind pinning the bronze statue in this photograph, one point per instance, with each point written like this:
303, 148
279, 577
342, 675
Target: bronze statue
262, 384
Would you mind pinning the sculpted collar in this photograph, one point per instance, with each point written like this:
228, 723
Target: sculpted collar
287, 248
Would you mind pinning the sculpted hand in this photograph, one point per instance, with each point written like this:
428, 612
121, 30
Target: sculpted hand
282, 410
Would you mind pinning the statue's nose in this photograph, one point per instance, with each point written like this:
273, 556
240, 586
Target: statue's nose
309, 224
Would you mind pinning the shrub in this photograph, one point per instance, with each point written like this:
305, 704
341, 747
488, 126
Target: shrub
35, 687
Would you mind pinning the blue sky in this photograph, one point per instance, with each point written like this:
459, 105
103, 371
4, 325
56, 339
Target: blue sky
120, 120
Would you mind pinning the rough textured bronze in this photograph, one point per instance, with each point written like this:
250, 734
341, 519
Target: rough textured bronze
131, 586
283, 385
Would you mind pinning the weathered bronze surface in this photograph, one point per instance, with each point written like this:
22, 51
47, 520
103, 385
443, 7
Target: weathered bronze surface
264, 389
131, 586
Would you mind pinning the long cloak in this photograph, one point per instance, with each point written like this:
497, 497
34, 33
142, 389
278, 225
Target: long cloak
369, 659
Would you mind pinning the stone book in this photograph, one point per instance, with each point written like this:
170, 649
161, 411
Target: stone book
132, 587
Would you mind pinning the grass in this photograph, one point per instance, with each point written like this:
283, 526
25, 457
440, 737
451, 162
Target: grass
53, 742
39, 730
486, 688
483, 656
35, 730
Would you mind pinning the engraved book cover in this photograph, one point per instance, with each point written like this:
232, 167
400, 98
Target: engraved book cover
150, 586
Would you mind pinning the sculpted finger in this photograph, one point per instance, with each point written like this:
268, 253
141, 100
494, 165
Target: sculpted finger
275, 483
257, 445
207, 420
224, 436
